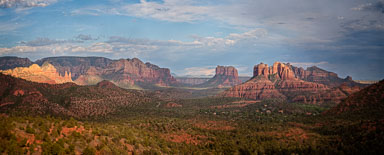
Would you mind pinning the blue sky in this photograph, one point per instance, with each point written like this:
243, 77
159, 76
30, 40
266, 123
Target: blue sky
191, 37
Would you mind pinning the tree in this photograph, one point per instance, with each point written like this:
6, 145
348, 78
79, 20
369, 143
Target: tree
30, 130
89, 151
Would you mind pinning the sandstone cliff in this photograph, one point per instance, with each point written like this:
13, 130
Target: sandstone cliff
126, 73
318, 75
283, 81
225, 76
76, 65
257, 88
47, 73
134, 71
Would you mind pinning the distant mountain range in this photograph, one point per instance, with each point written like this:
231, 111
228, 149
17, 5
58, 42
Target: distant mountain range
126, 73
281, 80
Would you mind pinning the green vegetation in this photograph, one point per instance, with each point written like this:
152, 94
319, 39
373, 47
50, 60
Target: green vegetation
202, 126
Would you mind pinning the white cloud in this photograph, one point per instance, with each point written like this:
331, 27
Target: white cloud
298, 23
309, 64
169, 10
137, 47
25, 3
374, 7
205, 71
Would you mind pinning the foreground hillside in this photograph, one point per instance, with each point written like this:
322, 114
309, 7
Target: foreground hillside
68, 99
370, 99
180, 126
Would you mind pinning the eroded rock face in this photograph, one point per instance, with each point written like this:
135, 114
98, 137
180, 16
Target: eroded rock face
318, 75
284, 82
279, 70
225, 76
257, 88
261, 69
124, 72
47, 73
76, 65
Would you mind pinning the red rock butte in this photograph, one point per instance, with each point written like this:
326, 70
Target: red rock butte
225, 76
284, 81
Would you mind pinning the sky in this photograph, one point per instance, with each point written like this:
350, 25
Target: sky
192, 37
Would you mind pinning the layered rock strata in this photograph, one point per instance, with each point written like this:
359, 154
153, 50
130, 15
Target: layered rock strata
280, 81
225, 76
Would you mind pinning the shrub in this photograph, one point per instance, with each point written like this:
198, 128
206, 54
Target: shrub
89, 151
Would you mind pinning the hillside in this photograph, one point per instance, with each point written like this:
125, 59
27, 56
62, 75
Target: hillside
25, 98
368, 101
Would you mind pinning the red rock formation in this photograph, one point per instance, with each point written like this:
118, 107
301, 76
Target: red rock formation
280, 70
124, 72
318, 75
76, 65
257, 88
44, 74
135, 71
225, 76
261, 69
280, 81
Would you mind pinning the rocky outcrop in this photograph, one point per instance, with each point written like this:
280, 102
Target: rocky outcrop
225, 76
261, 70
281, 81
128, 71
47, 73
257, 88
318, 75
124, 72
76, 65
13, 62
